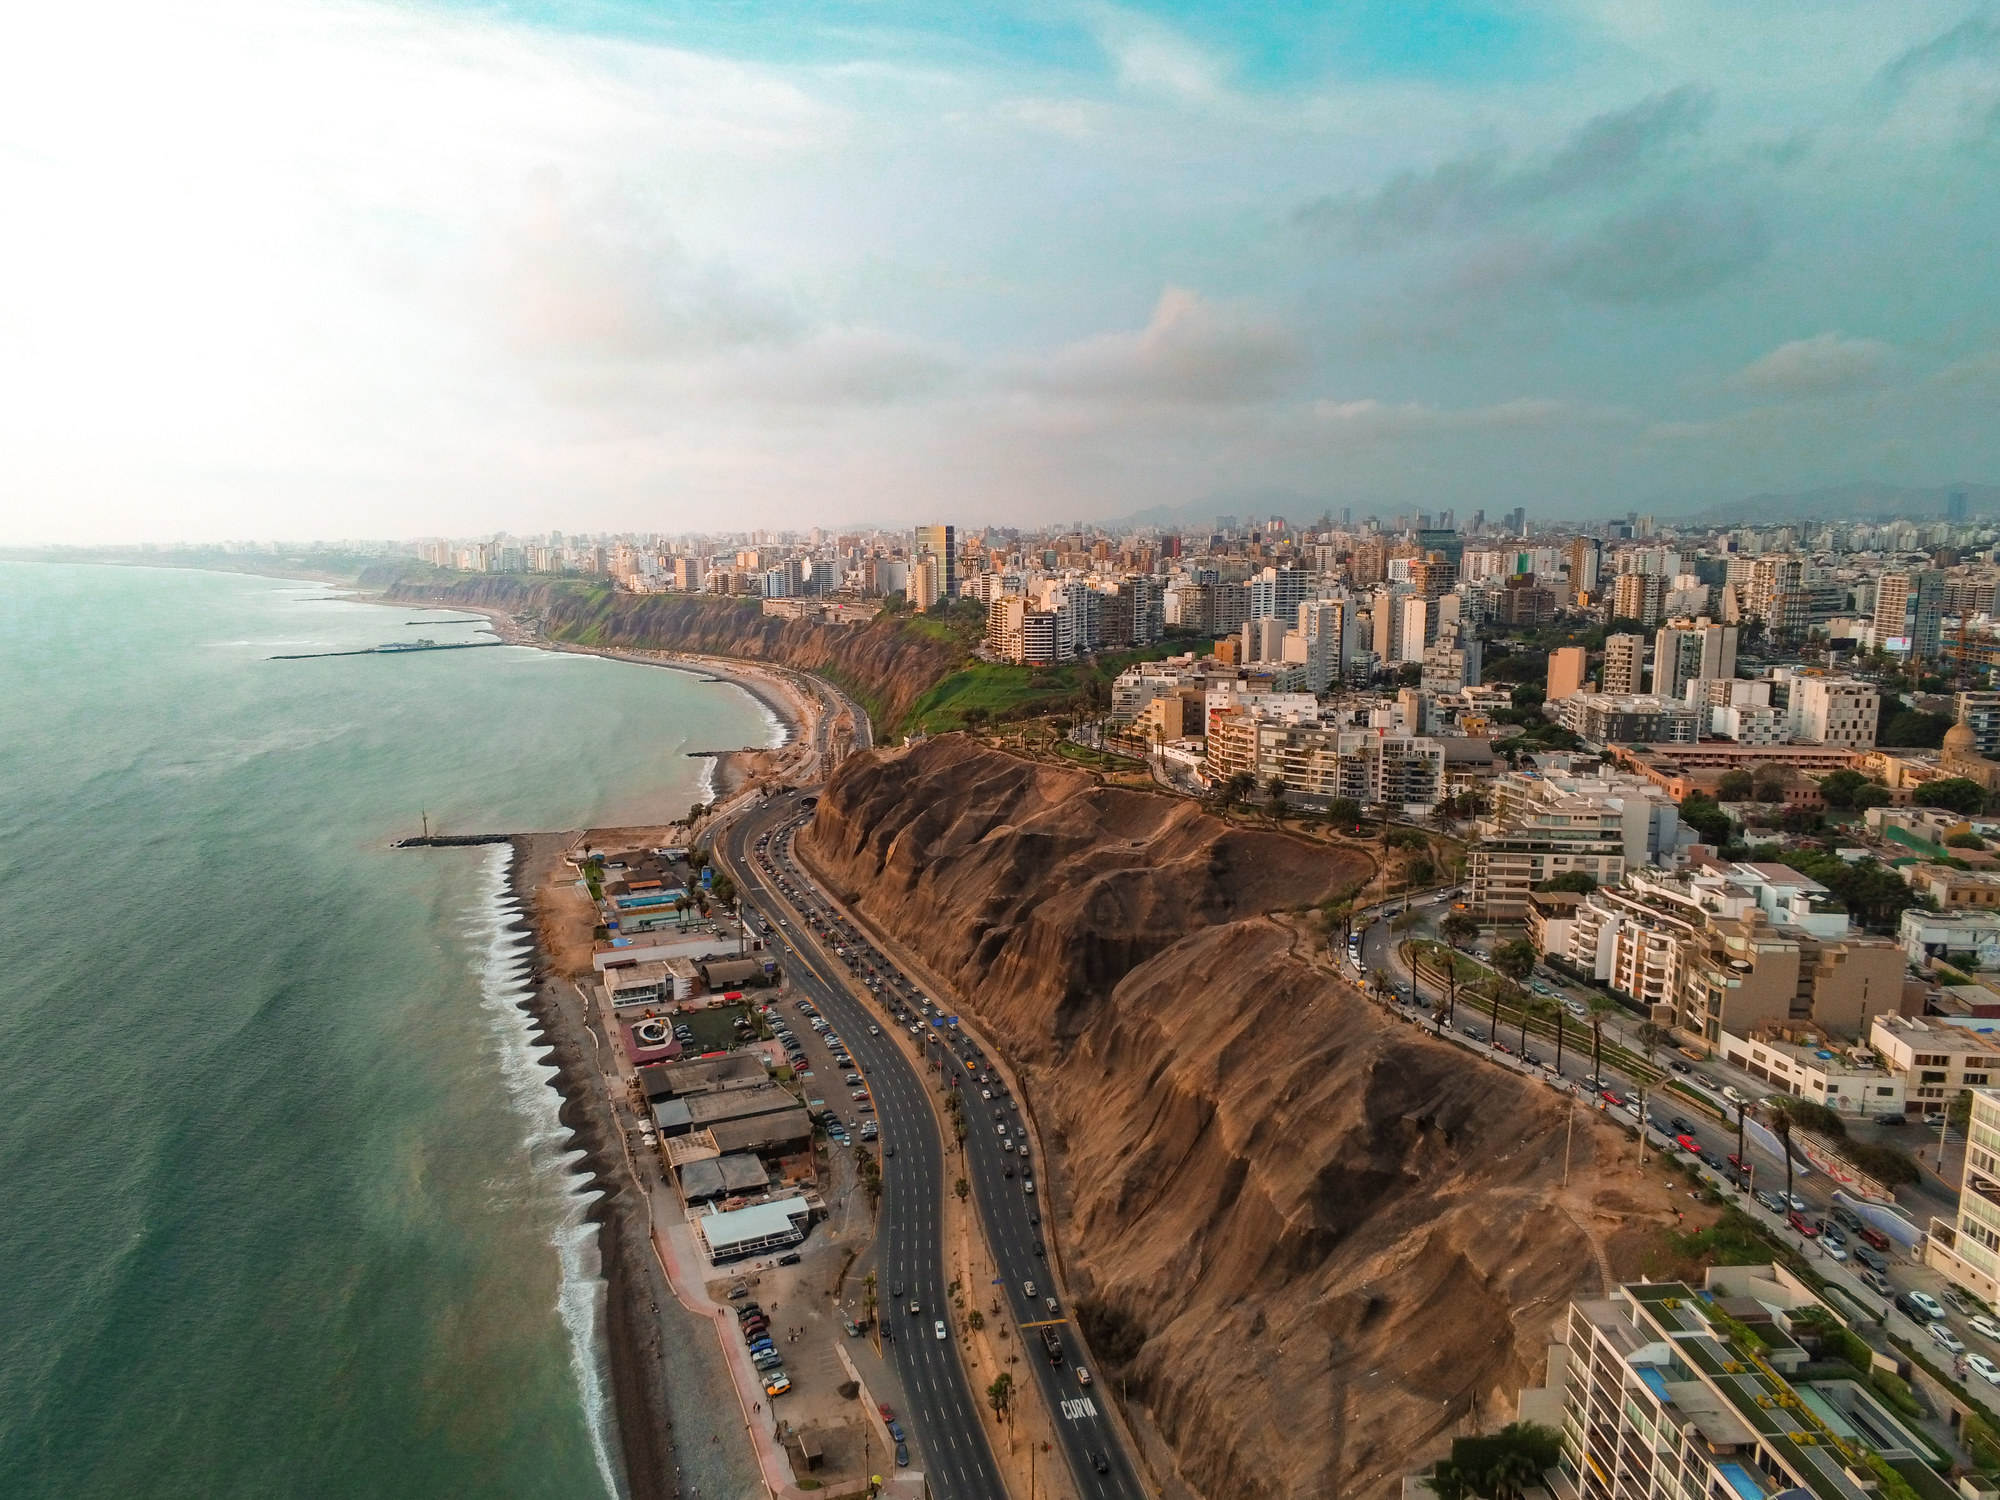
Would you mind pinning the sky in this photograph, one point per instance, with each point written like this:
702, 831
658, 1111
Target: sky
317, 268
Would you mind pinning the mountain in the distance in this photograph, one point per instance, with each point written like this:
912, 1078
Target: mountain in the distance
1842, 502
1850, 502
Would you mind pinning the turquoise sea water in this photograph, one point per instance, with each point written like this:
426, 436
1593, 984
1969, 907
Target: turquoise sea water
286, 1209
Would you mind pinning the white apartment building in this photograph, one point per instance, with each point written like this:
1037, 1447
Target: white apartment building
1835, 711
1750, 724
1318, 763
1624, 664
1939, 1057
1967, 1249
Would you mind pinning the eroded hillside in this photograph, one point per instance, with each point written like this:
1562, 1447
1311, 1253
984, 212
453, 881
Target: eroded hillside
1307, 1237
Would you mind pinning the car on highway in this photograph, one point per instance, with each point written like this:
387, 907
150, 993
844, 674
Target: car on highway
1082, 1375
916, 1309
1682, 1125
1098, 1461
1945, 1339
938, 1327
1029, 1288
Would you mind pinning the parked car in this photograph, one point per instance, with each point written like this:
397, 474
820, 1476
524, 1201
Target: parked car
902, 1455
1984, 1368
1985, 1326
1945, 1339
1773, 1201
1877, 1283
1871, 1259
1802, 1224
1874, 1236
895, 1429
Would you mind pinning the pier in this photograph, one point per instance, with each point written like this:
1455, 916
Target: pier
391, 649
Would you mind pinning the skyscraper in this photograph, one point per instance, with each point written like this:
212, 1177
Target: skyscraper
1625, 662
1686, 650
941, 542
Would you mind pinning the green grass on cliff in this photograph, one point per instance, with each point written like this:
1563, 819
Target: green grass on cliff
993, 690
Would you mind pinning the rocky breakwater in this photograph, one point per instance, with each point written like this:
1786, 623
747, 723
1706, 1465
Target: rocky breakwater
1310, 1241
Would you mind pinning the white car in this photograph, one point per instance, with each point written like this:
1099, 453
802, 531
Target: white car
1984, 1368
1945, 1339
1928, 1305
1986, 1327
939, 1326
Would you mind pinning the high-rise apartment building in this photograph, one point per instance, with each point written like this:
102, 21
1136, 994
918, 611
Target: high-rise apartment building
1279, 592
1968, 1248
1433, 574
1585, 554
1637, 596
1835, 711
1777, 595
1980, 712
1567, 665
1624, 663
941, 542
1685, 650
1892, 611
1927, 614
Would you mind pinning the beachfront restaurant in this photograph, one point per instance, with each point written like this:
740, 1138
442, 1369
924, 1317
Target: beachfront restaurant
735, 1233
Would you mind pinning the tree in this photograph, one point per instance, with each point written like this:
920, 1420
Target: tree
1000, 1396
1873, 795
1515, 959
1505, 990
1274, 795
962, 1188
1959, 794
1907, 729
1598, 1009
1839, 787
1769, 781
1536, 1006
1559, 1012
1458, 929
1783, 1113
1959, 1112
1651, 1034
1964, 841
1713, 824
1799, 820
1344, 810
1580, 881
1735, 786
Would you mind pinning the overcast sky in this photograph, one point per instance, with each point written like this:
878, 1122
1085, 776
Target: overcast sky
281, 268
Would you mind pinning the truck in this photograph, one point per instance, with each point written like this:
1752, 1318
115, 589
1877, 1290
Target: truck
1052, 1346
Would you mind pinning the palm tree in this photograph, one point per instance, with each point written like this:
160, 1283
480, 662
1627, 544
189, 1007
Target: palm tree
1556, 1009
1275, 798
1600, 1008
1498, 989
1532, 1005
1783, 1113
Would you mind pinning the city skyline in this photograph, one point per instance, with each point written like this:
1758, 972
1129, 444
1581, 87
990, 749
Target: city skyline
309, 269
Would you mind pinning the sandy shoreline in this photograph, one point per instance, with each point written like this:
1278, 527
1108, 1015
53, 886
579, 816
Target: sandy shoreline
631, 1275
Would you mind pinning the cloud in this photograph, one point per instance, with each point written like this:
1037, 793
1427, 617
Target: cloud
1976, 37
1190, 351
1154, 59
1674, 248
1824, 362
561, 282
1372, 418
1476, 189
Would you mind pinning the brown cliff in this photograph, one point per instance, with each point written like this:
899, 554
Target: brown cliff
886, 665
1311, 1241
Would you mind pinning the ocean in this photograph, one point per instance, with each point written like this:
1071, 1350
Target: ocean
287, 1208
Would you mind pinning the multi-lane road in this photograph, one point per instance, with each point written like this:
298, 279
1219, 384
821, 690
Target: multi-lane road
947, 1426
939, 1407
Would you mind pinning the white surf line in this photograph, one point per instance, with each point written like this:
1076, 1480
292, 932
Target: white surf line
502, 963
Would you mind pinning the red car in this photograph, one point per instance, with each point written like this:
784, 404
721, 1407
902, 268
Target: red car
887, 1415
1688, 1143
1739, 1163
1609, 1098
1802, 1224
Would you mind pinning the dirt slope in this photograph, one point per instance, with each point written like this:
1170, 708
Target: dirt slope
1308, 1237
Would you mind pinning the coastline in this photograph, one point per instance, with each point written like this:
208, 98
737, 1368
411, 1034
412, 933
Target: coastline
633, 1351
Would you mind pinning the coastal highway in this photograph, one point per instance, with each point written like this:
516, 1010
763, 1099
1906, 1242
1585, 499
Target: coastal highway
1098, 1462
940, 1409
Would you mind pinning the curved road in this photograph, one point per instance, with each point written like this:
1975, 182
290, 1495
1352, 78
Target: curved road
940, 1411
996, 1162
